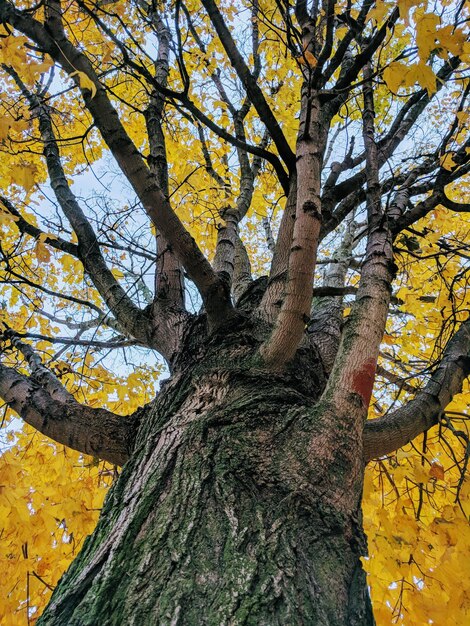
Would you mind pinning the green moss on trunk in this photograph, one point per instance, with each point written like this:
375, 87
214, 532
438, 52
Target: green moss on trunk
222, 516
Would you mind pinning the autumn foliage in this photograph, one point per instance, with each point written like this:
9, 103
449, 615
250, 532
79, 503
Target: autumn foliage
56, 313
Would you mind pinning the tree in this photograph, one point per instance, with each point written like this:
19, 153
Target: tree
294, 230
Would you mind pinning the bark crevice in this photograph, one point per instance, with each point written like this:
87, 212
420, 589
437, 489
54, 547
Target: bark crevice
219, 517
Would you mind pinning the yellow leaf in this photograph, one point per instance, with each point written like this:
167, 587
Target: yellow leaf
402, 454
426, 32
405, 7
25, 175
5, 126
393, 75
379, 12
399, 75
426, 77
447, 161
42, 253
85, 82
419, 473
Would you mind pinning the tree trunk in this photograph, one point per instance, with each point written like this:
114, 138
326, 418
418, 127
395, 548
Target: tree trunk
238, 506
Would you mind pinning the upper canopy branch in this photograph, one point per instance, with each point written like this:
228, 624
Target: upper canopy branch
407, 116
355, 364
169, 279
128, 314
347, 78
249, 82
212, 288
348, 38
182, 102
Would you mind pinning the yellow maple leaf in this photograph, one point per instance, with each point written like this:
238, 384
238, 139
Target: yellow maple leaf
25, 175
426, 32
405, 7
447, 161
424, 76
85, 82
5, 126
42, 253
419, 473
393, 75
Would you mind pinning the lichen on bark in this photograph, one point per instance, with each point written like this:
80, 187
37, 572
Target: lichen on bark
221, 516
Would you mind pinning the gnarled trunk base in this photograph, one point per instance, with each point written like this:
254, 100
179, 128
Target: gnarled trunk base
219, 518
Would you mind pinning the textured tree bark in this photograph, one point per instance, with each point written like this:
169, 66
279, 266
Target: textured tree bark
229, 511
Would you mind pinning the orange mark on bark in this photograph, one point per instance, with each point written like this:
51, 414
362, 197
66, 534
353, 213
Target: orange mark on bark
363, 380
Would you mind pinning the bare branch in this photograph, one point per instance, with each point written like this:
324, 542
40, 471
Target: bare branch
346, 80
396, 380
349, 190
118, 342
25, 227
344, 44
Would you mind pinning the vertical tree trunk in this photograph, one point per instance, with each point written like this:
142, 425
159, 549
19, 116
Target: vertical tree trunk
221, 516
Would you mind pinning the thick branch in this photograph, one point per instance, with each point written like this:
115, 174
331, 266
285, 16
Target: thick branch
327, 316
295, 309
242, 270
96, 432
273, 296
40, 373
228, 238
354, 368
390, 432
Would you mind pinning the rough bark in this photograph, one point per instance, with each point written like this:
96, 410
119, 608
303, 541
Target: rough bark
229, 511
96, 432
